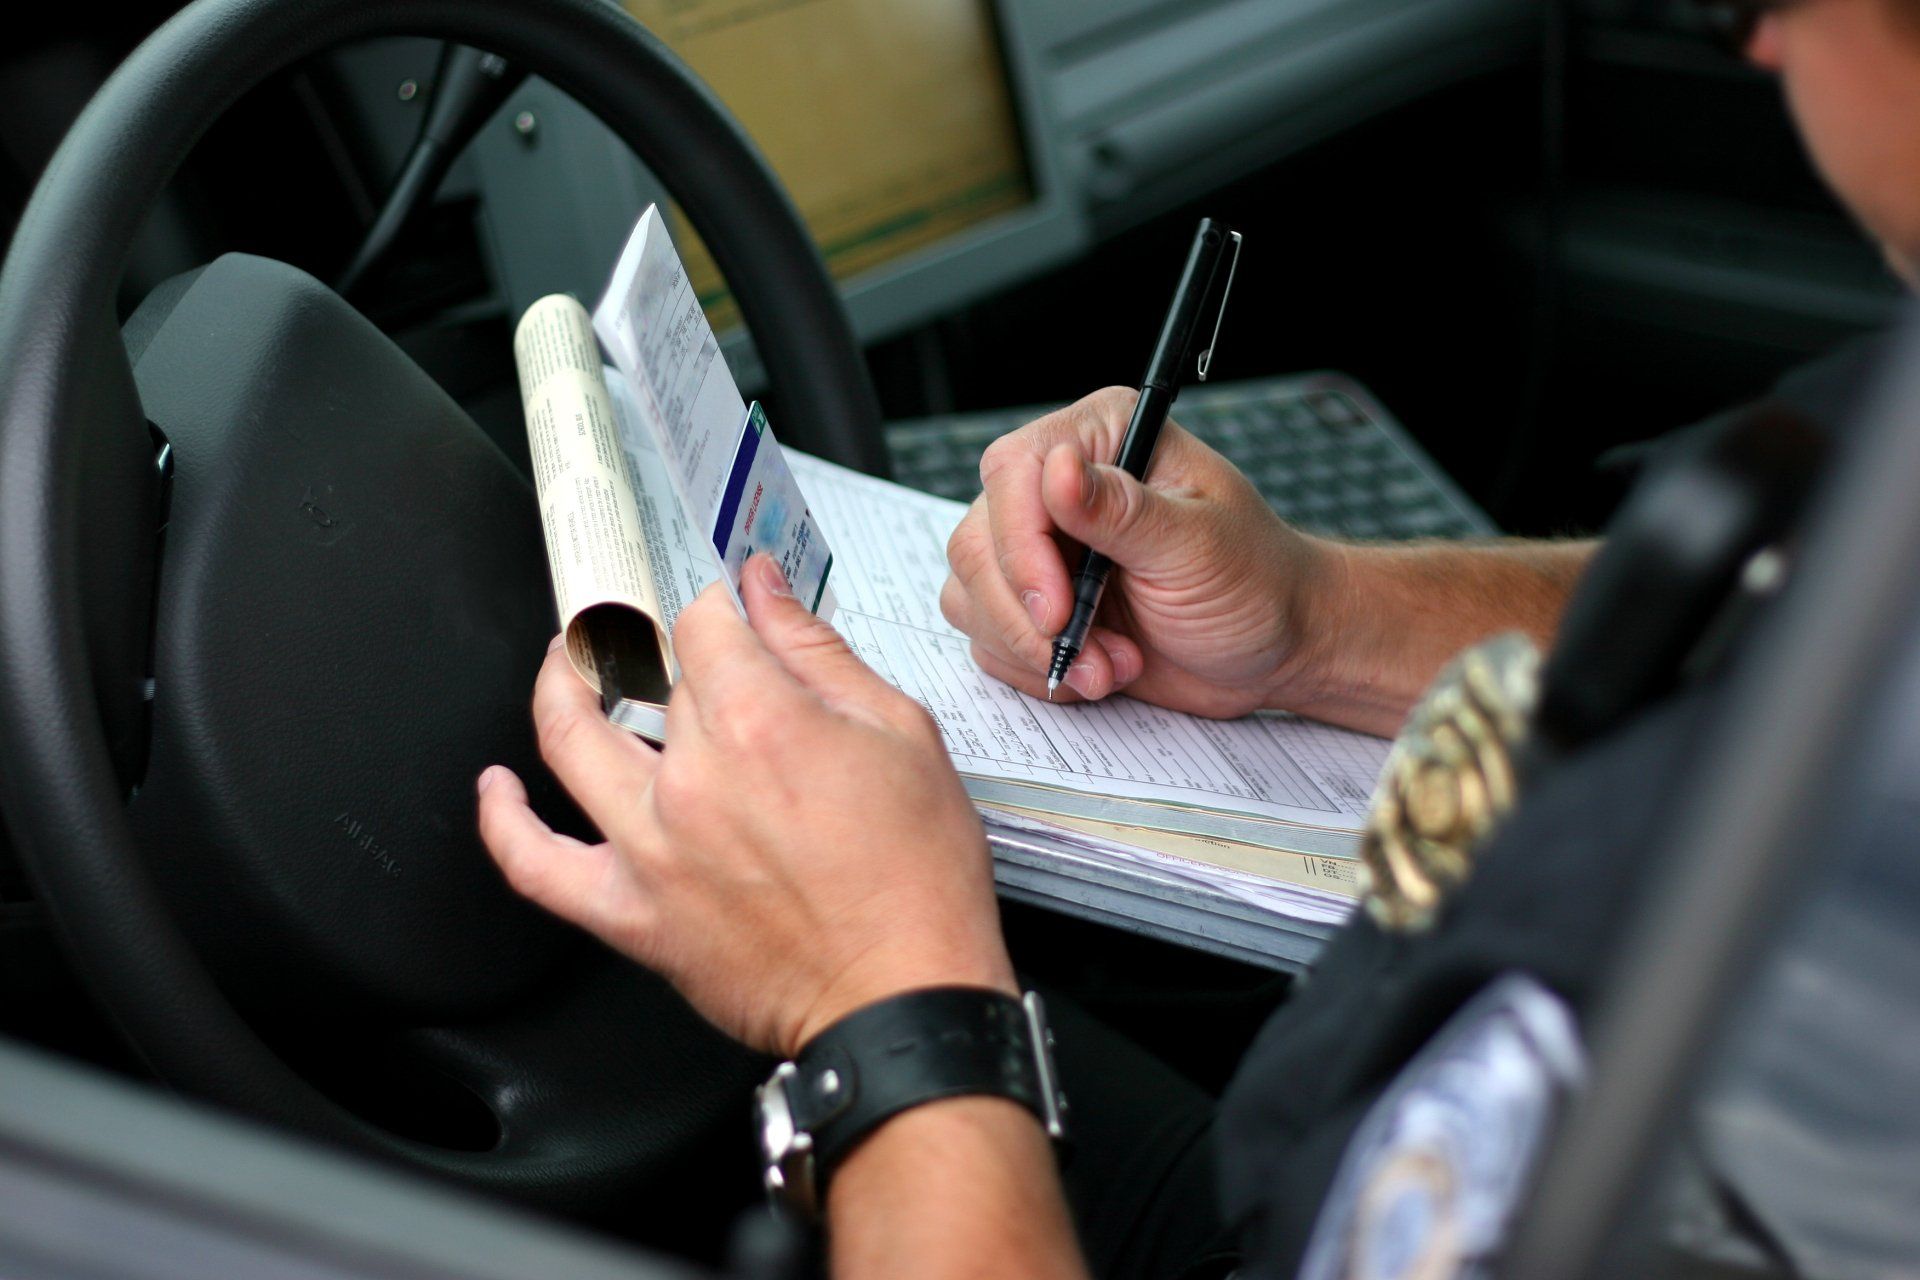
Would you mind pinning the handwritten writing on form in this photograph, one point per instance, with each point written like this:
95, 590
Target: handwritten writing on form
892, 567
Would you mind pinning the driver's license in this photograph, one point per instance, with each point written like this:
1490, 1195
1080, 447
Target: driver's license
763, 510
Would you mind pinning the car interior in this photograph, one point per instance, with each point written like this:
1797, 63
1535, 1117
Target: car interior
1519, 226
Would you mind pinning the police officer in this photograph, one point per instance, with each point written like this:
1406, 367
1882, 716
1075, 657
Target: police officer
805, 867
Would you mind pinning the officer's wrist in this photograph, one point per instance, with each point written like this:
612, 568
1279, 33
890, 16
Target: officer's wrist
989, 1128
1317, 602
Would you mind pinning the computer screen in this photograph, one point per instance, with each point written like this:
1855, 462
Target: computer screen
891, 122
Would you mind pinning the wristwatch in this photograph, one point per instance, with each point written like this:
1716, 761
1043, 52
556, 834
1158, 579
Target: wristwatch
914, 1048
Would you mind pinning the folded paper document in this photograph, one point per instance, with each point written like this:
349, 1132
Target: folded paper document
656, 478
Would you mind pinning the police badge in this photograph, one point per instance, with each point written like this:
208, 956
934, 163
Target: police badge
1449, 779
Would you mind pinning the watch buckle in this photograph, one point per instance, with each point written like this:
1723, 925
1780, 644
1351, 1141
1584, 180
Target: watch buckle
787, 1148
1053, 1101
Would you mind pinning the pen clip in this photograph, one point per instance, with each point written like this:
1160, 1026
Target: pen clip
1206, 357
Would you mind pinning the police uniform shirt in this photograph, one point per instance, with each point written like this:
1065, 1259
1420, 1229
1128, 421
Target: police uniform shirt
1384, 1121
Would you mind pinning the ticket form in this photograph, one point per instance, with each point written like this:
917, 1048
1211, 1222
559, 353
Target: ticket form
1100, 760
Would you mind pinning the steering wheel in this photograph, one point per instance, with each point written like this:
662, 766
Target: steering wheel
238, 749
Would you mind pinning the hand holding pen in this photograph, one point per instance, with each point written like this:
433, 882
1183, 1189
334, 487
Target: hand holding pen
1158, 390
1216, 607
1219, 607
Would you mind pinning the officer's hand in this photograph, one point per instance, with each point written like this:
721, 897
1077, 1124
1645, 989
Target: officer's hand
1208, 606
801, 848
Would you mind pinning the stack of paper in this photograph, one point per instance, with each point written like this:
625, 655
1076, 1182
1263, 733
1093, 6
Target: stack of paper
1238, 836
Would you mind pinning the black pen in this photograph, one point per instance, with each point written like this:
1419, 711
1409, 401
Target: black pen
1157, 393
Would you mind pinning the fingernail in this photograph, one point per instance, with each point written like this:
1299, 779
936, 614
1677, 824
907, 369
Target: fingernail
1036, 607
485, 780
775, 581
1080, 678
1089, 484
556, 642
1123, 668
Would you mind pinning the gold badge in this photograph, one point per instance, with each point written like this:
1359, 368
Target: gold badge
1448, 781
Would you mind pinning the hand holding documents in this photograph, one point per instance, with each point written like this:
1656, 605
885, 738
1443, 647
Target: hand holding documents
1239, 835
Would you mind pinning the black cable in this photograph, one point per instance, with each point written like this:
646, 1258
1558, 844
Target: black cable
468, 87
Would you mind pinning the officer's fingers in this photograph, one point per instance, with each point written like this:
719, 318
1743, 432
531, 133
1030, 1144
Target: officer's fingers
601, 766
578, 882
1095, 422
1025, 679
964, 616
1091, 675
808, 647
972, 538
978, 599
722, 659
1023, 547
1106, 665
1110, 511
1124, 656
1020, 533
1091, 670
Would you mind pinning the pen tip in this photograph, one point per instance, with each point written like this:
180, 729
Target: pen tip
1052, 684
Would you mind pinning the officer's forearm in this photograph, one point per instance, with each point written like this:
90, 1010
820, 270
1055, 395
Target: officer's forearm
1394, 615
960, 1188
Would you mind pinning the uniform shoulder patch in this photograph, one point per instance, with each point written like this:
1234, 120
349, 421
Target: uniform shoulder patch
1432, 1175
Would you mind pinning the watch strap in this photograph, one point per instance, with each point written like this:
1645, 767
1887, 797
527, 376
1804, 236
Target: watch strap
920, 1047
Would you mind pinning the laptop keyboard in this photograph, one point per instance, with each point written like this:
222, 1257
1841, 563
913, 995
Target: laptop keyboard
1319, 448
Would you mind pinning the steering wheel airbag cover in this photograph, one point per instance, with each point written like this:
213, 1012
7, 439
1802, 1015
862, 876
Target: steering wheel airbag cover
353, 594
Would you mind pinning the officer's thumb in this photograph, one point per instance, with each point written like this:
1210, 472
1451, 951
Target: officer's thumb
1105, 508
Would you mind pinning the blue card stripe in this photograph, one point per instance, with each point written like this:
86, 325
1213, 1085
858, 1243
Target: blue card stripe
736, 484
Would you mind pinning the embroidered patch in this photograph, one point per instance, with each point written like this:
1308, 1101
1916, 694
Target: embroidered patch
1433, 1173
